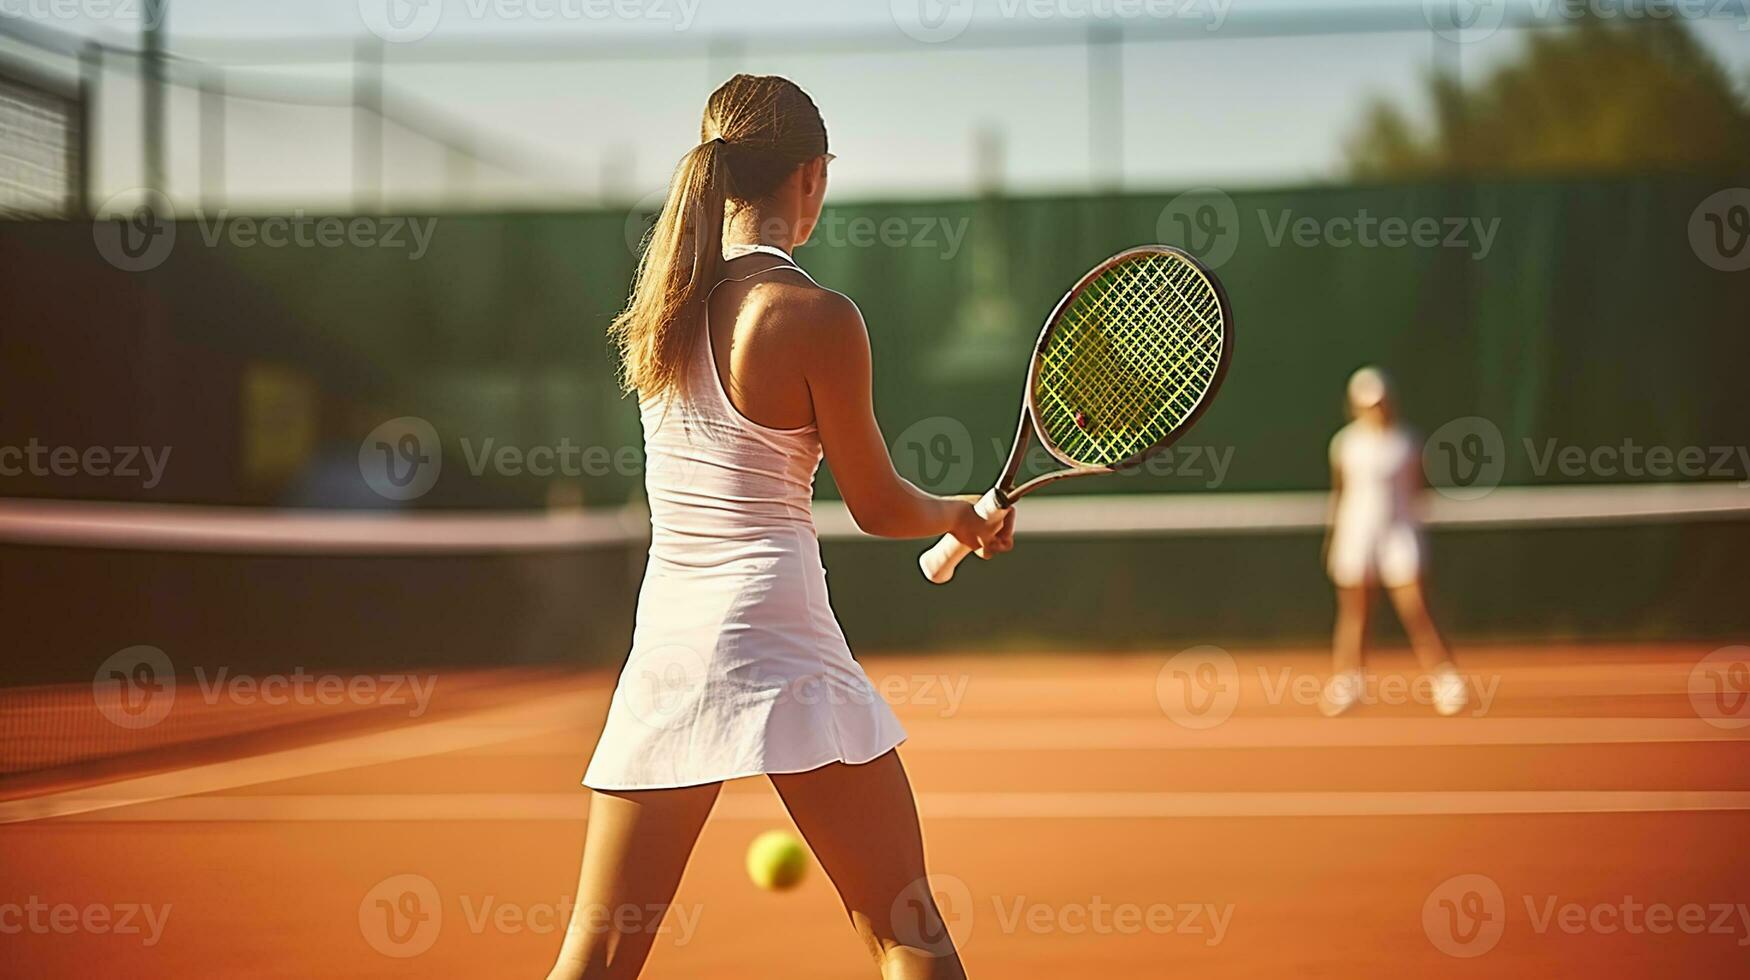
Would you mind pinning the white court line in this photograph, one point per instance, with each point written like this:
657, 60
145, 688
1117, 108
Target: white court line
561, 713
1160, 733
1242, 732
737, 806
1517, 682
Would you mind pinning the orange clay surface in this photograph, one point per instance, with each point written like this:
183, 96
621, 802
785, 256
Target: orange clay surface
1111, 816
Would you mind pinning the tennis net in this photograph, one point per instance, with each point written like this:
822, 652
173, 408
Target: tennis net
109, 603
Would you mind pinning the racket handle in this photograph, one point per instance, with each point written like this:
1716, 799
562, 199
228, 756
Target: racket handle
944, 556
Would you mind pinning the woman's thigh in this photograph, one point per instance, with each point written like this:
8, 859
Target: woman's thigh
861, 822
635, 849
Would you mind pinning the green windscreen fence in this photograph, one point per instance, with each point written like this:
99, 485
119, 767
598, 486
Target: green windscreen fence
1549, 318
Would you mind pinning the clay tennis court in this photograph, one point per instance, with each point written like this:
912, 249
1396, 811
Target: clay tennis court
1126, 816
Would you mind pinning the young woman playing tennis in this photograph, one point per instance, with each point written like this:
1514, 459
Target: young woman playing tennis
1373, 539
745, 371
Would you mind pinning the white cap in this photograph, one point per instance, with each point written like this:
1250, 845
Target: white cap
1367, 387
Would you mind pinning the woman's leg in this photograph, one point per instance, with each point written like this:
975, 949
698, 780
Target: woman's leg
862, 823
1348, 643
634, 851
1449, 693
1425, 638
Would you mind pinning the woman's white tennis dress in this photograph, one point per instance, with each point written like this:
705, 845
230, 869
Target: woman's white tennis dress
738, 666
1375, 537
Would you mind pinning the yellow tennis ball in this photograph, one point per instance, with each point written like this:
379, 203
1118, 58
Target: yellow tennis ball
776, 860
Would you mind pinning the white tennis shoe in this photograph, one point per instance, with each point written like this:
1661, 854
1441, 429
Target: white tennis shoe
1341, 692
1450, 693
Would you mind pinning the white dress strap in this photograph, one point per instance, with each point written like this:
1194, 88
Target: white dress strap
738, 250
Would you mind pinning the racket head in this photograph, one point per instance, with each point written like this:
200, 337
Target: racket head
1129, 359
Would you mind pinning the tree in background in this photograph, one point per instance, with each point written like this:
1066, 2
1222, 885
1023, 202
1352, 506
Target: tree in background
1623, 96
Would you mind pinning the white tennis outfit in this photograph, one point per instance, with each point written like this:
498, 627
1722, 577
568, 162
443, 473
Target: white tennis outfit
738, 666
1375, 536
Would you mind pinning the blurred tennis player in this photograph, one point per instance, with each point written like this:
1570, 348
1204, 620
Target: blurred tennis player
1373, 539
745, 371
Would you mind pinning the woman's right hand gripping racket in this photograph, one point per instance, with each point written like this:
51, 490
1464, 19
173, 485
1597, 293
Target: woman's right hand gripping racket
1126, 363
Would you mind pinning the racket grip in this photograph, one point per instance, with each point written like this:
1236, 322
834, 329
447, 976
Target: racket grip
944, 556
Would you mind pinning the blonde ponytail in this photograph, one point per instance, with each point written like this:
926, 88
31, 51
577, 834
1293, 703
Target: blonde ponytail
756, 131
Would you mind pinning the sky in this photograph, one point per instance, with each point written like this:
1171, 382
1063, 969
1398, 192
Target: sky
609, 97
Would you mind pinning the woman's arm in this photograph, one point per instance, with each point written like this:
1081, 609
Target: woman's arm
1331, 507
838, 368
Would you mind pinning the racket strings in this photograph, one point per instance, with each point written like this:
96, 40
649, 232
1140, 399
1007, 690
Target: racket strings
1130, 359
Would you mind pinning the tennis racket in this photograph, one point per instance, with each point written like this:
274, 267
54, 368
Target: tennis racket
1126, 363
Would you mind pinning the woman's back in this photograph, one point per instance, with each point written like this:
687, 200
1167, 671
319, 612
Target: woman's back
722, 486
